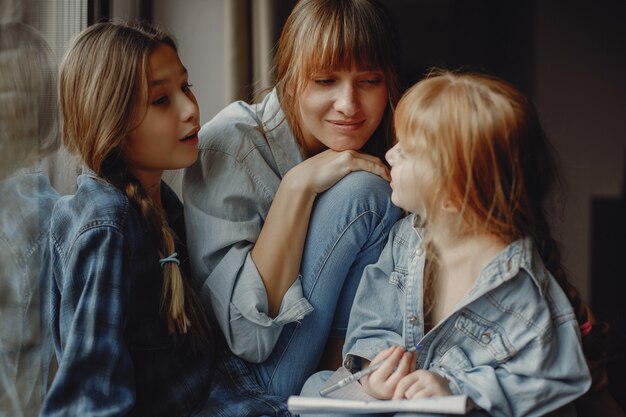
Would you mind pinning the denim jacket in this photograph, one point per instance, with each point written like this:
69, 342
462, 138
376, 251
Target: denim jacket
512, 344
27, 201
245, 151
114, 352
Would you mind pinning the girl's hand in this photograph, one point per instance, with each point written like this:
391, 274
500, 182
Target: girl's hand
320, 172
421, 383
382, 382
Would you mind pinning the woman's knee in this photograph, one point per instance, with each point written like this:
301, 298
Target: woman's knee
363, 190
361, 183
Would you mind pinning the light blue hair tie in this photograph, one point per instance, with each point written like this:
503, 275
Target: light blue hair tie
171, 258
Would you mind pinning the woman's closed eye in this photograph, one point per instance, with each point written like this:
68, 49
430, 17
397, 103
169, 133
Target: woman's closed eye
371, 81
324, 81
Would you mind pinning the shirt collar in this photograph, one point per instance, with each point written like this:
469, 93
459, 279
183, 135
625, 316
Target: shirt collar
519, 255
280, 138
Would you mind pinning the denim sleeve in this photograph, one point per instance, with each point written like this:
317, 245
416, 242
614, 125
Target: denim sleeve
225, 207
548, 373
376, 318
95, 374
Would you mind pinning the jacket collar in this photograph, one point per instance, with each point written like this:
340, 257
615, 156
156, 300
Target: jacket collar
517, 256
282, 142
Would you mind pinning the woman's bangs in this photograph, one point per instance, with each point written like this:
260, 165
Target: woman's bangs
335, 50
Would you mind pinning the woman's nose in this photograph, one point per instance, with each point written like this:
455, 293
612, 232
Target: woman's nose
347, 102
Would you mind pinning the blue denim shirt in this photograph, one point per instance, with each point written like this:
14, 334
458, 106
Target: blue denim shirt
245, 151
27, 201
114, 352
512, 344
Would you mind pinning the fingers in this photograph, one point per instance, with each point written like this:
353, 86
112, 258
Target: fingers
390, 364
349, 161
420, 384
320, 172
356, 161
382, 355
397, 364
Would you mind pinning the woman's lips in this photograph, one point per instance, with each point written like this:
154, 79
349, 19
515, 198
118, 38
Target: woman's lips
347, 126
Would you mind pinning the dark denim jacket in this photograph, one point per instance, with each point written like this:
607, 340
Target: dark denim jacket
115, 355
114, 352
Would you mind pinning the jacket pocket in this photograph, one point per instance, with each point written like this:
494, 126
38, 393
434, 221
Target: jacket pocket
454, 359
489, 335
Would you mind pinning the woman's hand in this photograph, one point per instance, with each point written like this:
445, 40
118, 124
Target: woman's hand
383, 382
320, 172
421, 383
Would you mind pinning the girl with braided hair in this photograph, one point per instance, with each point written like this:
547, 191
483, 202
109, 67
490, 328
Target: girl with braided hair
129, 334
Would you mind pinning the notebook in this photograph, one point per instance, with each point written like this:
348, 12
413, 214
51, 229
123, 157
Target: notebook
352, 399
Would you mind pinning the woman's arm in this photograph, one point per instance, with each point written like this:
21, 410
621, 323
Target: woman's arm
246, 228
278, 251
226, 202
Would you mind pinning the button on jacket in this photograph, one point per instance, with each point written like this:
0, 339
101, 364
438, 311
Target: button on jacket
512, 344
245, 151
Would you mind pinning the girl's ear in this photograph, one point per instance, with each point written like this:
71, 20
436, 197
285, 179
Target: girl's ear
449, 206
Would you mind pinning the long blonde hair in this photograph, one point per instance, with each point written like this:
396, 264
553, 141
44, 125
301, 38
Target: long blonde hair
324, 35
490, 154
103, 94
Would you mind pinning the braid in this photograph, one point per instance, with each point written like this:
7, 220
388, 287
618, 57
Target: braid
178, 300
173, 297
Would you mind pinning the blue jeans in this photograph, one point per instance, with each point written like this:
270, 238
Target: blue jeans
236, 393
348, 228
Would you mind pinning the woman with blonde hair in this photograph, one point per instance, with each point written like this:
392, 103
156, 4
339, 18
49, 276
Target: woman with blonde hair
129, 334
280, 226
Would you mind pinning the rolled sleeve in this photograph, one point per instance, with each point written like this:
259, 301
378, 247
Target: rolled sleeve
253, 332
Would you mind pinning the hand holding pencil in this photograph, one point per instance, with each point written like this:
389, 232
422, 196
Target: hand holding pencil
394, 363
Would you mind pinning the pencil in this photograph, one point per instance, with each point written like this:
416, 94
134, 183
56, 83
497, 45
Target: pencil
356, 376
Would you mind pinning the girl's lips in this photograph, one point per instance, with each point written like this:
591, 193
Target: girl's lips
190, 140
